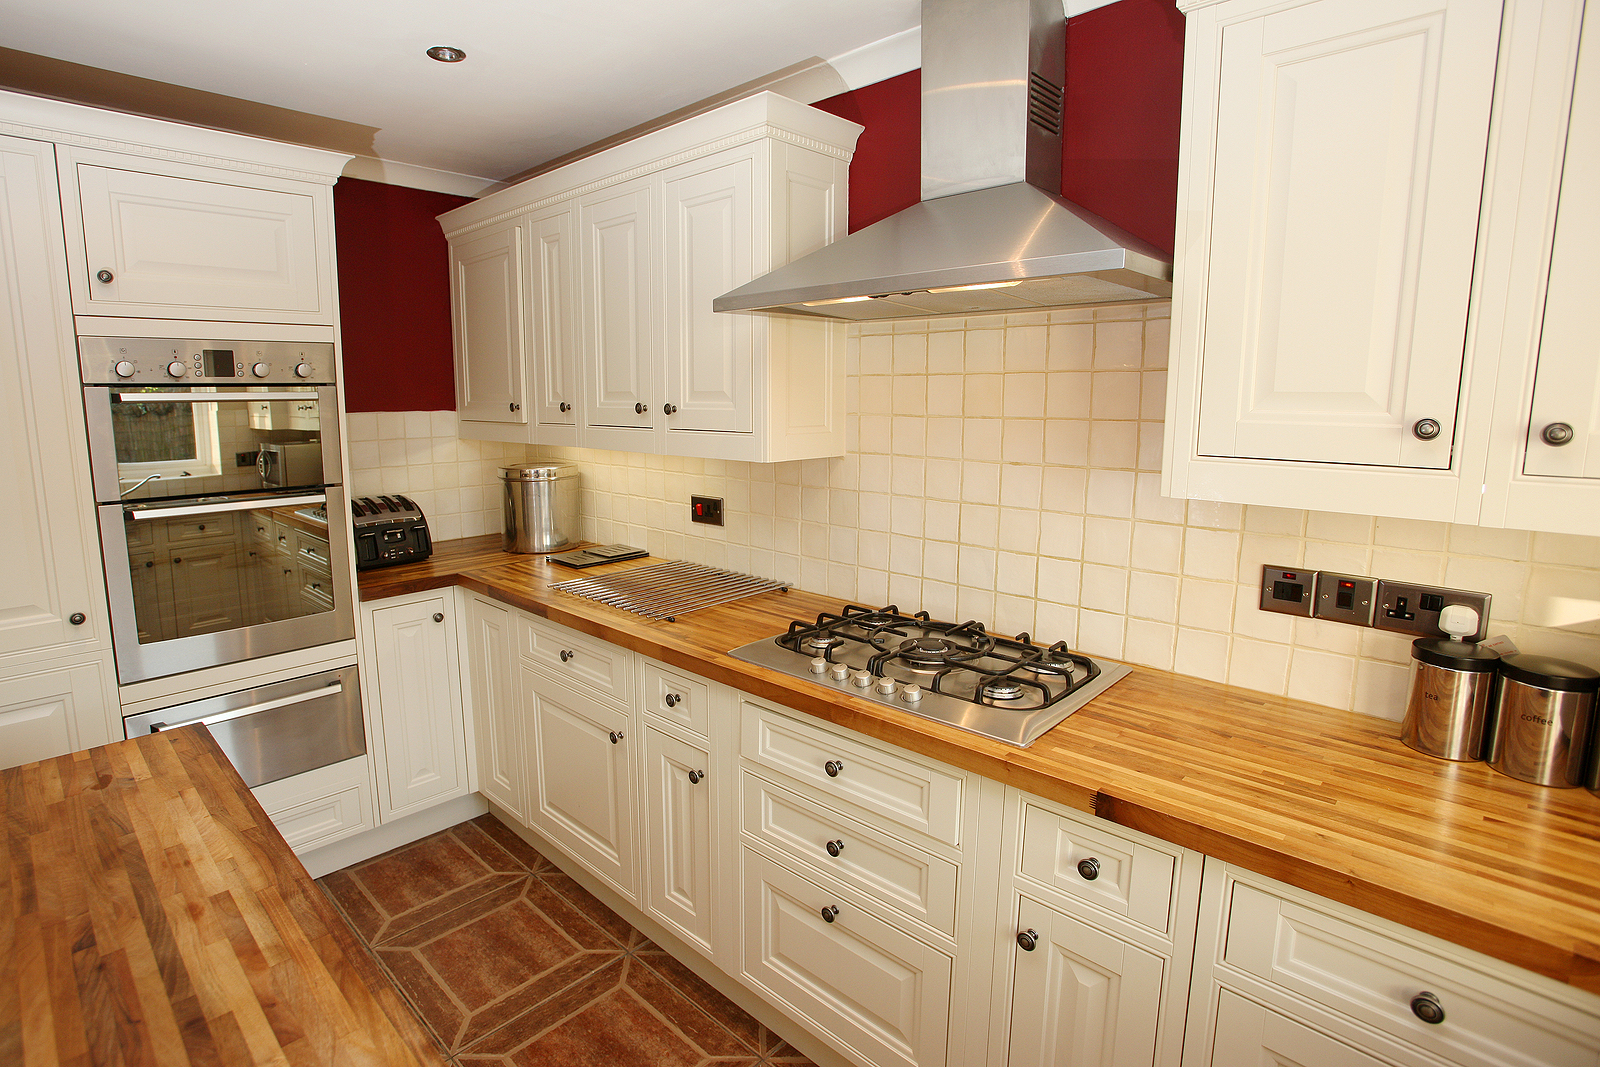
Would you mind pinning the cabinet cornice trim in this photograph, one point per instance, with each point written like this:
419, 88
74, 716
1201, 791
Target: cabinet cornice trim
107, 144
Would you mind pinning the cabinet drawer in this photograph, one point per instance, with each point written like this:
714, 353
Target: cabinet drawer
1249, 1034
1352, 969
906, 878
1085, 862
677, 697
893, 787
879, 993
576, 658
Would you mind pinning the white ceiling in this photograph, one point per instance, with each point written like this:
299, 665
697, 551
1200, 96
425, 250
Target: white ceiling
541, 79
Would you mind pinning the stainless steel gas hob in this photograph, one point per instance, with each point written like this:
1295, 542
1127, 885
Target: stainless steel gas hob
1004, 688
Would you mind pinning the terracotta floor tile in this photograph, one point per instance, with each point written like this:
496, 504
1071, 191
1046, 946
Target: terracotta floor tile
585, 902
518, 1031
713, 1034
507, 839
707, 1000
419, 873
615, 1031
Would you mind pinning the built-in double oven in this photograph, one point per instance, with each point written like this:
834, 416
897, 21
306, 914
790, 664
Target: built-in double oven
216, 466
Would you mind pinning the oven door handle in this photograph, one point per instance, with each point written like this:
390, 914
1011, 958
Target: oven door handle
166, 397
267, 705
254, 503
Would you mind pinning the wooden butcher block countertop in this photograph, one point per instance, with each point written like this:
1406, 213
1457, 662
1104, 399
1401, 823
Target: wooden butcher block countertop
151, 914
1327, 800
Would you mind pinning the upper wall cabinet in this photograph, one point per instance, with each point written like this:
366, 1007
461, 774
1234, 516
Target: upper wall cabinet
1352, 190
626, 250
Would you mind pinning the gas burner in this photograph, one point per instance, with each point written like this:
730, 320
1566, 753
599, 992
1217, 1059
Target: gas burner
927, 650
1000, 689
822, 642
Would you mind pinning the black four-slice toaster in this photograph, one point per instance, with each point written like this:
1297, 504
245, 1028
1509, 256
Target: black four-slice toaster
389, 530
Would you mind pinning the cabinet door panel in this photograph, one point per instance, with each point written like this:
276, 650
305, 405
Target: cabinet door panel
678, 806
551, 344
215, 245
582, 791
1249, 1035
708, 233
486, 293
51, 550
1081, 998
618, 299
1349, 163
419, 714
497, 728
51, 712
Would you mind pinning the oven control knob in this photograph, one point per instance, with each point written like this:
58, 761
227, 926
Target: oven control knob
260, 370
839, 671
302, 370
123, 369
911, 693
887, 686
177, 368
861, 679
819, 666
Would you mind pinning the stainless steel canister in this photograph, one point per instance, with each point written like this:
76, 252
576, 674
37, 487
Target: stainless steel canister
1447, 705
1542, 720
541, 507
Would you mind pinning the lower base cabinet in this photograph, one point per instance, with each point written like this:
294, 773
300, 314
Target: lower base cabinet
679, 811
1248, 1035
322, 806
46, 711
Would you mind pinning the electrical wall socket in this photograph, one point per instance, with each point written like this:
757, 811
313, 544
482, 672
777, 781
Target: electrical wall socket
1414, 609
1346, 598
1287, 589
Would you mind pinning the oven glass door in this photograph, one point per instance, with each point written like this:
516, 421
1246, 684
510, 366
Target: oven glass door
202, 581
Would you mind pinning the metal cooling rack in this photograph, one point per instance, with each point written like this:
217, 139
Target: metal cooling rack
668, 589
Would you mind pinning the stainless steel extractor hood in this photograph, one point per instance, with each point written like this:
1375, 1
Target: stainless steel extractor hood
991, 234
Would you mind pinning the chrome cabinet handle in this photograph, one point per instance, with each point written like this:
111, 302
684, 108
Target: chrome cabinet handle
1426, 1007
1425, 429
1028, 940
616, 735
669, 409
639, 409
105, 276
830, 913
566, 654
673, 699
1089, 869
835, 847
696, 777
1557, 434
833, 767
438, 616
77, 618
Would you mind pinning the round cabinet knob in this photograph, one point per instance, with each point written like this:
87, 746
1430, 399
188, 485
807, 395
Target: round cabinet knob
839, 671
105, 276
438, 616
260, 370
887, 686
835, 847
673, 700
302, 370
911, 694
566, 654
1028, 940
616, 735
1425, 429
1089, 869
669, 409
830, 913
123, 369
833, 767
639, 409
1557, 434
1426, 1007
514, 407
77, 618
819, 666
861, 679
696, 777
177, 368
565, 406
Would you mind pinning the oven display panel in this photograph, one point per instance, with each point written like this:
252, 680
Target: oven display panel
218, 363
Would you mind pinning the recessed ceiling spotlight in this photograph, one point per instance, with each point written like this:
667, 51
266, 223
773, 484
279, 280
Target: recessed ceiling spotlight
445, 54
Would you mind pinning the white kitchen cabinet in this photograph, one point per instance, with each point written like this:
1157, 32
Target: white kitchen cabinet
50, 709
321, 806
664, 224
682, 790
50, 572
486, 280
1248, 1035
414, 709
580, 753
166, 239
496, 713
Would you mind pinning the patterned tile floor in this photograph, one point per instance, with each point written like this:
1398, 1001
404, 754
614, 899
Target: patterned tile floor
510, 962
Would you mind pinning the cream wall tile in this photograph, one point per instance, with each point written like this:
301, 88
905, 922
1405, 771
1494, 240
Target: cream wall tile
1070, 348
1202, 655
1150, 643
1118, 345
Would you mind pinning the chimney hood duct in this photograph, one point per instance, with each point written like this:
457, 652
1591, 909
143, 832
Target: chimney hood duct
991, 234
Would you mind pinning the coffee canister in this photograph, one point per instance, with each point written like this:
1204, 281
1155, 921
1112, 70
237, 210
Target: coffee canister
540, 506
1449, 698
1543, 714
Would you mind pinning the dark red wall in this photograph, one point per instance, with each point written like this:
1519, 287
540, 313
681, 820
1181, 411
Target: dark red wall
394, 297
1120, 158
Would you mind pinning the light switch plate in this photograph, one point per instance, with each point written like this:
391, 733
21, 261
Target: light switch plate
1287, 589
1414, 609
1346, 598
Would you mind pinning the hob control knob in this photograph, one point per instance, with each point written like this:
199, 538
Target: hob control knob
177, 368
839, 671
302, 370
260, 370
887, 686
861, 679
819, 666
911, 694
123, 369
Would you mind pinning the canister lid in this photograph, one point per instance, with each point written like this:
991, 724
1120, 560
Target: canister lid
1548, 673
1455, 655
537, 472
